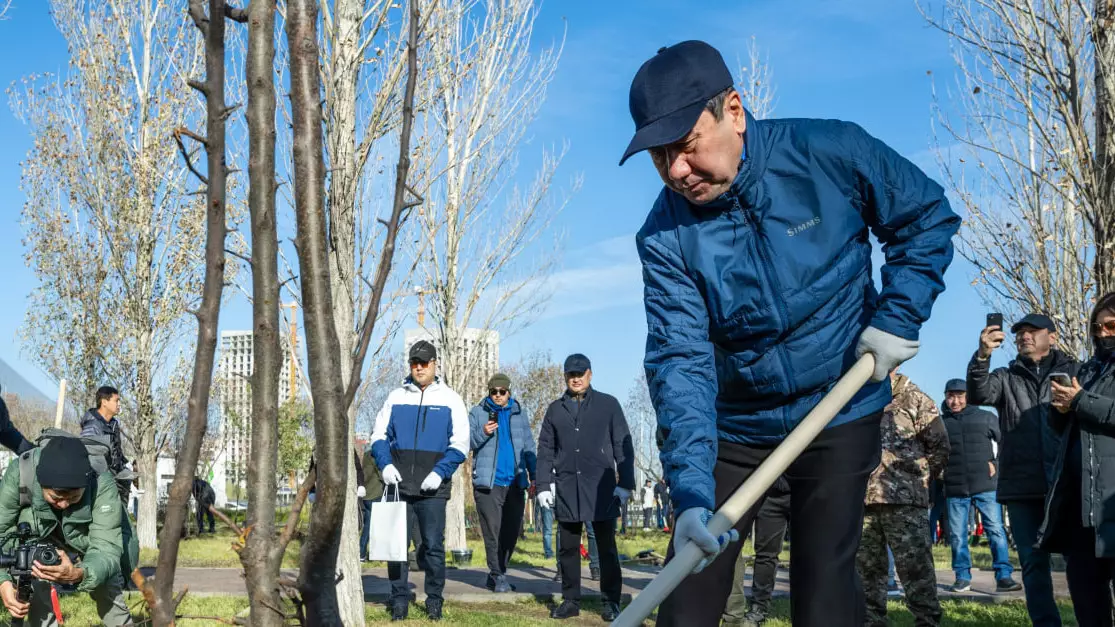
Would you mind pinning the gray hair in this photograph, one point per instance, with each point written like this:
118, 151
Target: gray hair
715, 105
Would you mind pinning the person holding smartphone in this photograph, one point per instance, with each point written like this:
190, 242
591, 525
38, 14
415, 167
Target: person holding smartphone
1079, 519
1021, 394
504, 460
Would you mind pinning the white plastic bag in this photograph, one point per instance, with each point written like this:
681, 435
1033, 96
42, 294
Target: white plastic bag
387, 531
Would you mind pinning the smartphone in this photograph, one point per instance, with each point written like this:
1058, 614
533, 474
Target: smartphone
1061, 378
995, 320
493, 417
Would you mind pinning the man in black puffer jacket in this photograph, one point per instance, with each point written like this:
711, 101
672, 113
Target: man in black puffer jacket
970, 479
1021, 395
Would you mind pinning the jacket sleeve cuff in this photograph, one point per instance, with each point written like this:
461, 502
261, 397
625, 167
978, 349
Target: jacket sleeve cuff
687, 499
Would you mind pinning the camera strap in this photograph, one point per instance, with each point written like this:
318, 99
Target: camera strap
26, 470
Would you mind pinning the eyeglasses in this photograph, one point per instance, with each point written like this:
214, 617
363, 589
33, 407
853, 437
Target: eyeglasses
1108, 326
419, 362
498, 392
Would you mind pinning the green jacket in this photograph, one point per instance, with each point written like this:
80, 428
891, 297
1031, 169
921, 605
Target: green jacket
92, 528
373, 481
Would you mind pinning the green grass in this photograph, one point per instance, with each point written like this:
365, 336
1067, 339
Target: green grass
78, 609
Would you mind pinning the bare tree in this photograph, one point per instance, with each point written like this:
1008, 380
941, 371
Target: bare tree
537, 380
1029, 155
4, 6
208, 314
756, 82
643, 422
488, 87
332, 398
112, 234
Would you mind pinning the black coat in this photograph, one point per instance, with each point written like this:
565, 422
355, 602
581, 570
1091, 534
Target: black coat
970, 434
1021, 396
1084, 484
585, 445
10, 436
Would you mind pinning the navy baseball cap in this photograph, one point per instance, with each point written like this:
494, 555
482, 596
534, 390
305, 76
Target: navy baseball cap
670, 90
1036, 320
577, 363
956, 385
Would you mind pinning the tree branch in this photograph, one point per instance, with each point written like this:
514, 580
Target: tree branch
186, 156
236, 15
296, 512
247, 260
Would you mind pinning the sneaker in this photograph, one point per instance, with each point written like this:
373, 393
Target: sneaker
754, 618
399, 610
502, 585
433, 609
594, 573
567, 609
610, 612
1007, 585
962, 585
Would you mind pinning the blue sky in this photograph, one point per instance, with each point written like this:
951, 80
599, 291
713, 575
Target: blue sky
864, 61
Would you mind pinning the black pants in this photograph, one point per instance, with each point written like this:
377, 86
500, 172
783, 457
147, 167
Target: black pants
828, 483
1089, 577
430, 512
501, 515
202, 512
569, 559
770, 531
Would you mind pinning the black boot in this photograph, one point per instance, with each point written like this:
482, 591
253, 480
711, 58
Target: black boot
433, 609
399, 610
594, 573
568, 609
610, 612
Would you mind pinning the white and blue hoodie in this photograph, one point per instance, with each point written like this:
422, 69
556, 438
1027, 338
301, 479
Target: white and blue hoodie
420, 431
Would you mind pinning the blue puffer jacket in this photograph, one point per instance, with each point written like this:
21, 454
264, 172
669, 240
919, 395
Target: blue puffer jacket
485, 448
755, 301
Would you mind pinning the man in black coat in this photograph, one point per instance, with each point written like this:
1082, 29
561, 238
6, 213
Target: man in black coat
1021, 395
204, 497
585, 442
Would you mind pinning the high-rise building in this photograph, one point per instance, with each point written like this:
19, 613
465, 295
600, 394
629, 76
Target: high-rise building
234, 371
479, 357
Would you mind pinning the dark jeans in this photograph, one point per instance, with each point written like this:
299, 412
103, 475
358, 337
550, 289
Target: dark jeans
770, 531
430, 512
828, 483
202, 512
366, 518
938, 511
569, 559
501, 513
1037, 580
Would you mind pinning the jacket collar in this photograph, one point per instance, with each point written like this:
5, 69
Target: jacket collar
410, 386
1050, 363
490, 405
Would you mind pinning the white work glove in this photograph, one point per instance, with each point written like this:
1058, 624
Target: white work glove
692, 526
622, 495
431, 482
360, 492
889, 351
391, 475
546, 499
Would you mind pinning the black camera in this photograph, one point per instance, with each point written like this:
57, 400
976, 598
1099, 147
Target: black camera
19, 562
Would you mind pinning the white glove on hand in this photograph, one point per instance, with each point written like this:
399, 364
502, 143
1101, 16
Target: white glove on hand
692, 526
546, 499
889, 351
391, 475
360, 492
622, 495
431, 482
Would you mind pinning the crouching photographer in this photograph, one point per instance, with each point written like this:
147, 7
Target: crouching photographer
63, 503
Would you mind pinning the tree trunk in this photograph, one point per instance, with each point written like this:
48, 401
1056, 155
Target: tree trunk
341, 136
208, 313
317, 578
261, 556
1104, 203
147, 530
455, 512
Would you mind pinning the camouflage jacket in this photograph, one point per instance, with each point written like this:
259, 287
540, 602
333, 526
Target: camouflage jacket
915, 447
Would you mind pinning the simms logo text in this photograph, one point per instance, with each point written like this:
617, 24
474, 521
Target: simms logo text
804, 226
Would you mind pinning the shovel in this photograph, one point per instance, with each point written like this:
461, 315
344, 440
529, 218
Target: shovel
750, 492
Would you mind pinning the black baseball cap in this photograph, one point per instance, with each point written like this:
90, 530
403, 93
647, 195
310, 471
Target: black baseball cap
577, 363
422, 351
956, 385
1036, 320
670, 91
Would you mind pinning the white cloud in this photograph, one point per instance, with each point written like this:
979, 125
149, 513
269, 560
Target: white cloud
608, 274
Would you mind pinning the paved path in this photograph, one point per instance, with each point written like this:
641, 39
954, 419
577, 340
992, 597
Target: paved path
467, 584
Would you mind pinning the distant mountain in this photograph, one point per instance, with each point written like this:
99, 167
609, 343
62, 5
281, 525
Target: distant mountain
11, 382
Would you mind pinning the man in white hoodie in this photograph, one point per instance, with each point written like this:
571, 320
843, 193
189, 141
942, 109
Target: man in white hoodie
420, 437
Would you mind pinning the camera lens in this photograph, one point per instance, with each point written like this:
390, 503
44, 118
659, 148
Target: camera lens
47, 556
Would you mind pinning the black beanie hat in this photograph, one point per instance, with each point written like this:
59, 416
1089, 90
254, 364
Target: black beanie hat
64, 464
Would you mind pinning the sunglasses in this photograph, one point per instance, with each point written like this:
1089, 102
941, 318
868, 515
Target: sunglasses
418, 362
498, 392
1108, 326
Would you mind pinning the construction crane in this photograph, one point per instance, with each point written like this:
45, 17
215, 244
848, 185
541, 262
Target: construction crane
421, 293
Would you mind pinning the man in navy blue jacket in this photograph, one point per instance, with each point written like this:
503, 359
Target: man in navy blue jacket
758, 291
